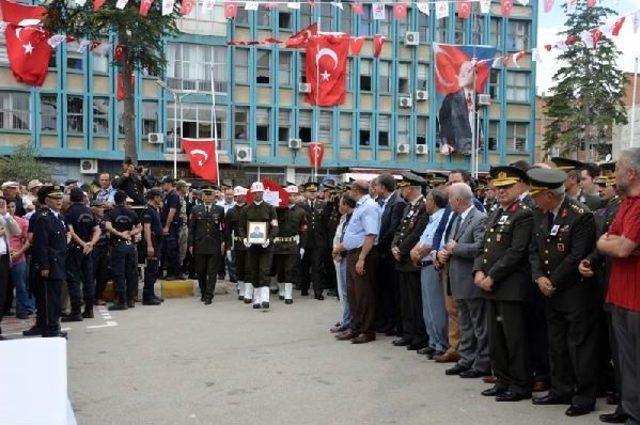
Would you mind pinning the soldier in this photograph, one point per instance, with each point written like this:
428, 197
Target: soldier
503, 274
205, 242
563, 234
331, 219
574, 190
85, 232
291, 234
413, 223
130, 182
259, 255
235, 245
316, 239
123, 225
171, 223
150, 245
48, 257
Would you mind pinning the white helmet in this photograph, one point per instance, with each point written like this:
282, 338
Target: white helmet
239, 191
291, 189
257, 187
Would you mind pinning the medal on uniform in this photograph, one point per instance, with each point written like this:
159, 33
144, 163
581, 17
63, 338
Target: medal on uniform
503, 219
554, 230
498, 237
560, 247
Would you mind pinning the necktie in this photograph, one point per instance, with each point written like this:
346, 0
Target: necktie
550, 220
498, 215
453, 228
344, 228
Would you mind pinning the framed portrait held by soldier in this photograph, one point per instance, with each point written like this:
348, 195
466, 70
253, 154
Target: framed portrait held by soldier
257, 232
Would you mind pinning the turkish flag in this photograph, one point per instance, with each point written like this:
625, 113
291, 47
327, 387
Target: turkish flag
274, 194
145, 5
301, 39
378, 44
399, 10
506, 6
591, 3
28, 53
326, 69
120, 87
548, 5
203, 158
464, 9
230, 10
357, 8
356, 45
316, 154
14, 13
97, 4
617, 26
186, 7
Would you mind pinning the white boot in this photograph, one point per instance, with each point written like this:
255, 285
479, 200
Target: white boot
281, 290
264, 299
240, 288
288, 293
248, 292
257, 296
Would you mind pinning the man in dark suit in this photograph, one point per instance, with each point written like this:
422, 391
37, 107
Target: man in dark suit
387, 296
456, 113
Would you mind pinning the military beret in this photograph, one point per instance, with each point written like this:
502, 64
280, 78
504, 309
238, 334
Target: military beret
542, 179
411, 179
507, 175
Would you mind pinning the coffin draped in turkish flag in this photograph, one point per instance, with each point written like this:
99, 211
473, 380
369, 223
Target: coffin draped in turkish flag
27, 47
326, 69
274, 194
202, 157
316, 154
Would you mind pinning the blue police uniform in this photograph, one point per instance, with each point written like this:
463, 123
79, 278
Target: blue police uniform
170, 251
80, 266
151, 216
101, 260
123, 255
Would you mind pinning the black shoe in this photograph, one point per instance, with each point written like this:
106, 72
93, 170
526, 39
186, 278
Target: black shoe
474, 373
613, 399
494, 391
131, 304
257, 306
273, 291
151, 301
248, 300
288, 301
511, 396
456, 370
318, 296
118, 306
426, 351
202, 299
435, 354
88, 313
550, 400
304, 293
614, 418
240, 297
73, 317
265, 304
401, 342
579, 409
208, 302
416, 347
33, 331
58, 334
22, 316
281, 297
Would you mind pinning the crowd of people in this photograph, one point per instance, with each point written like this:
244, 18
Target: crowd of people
527, 279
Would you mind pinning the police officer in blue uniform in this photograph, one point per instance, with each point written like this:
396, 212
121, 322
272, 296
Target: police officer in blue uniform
48, 257
100, 253
150, 245
171, 223
123, 225
85, 233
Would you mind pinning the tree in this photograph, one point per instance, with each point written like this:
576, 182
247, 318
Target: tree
587, 98
23, 166
140, 41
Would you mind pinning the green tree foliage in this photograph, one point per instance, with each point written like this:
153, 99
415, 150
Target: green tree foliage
587, 98
23, 166
142, 39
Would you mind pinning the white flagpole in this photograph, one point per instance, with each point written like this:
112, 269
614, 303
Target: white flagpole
317, 108
215, 126
633, 104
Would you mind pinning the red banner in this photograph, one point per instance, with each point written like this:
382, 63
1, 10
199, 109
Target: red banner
326, 69
316, 154
203, 158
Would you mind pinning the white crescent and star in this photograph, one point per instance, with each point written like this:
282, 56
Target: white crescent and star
202, 153
332, 54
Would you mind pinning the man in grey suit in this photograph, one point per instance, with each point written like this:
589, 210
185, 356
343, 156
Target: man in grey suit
464, 244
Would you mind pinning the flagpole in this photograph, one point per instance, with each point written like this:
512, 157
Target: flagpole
317, 121
474, 138
633, 103
215, 126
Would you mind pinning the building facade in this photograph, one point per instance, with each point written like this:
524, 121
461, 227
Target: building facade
259, 106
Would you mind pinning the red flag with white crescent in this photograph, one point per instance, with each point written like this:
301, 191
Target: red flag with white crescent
464, 9
316, 154
326, 69
203, 158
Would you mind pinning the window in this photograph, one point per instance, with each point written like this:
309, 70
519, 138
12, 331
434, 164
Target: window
422, 76
195, 120
75, 114
74, 56
264, 17
346, 21
403, 129
478, 29
324, 130
384, 72
365, 20
149, 117
100, 63
14, 111
493, 135
101, 116
403, 78
241, 66
365, 130
403, 24
460, 33
242, 17
384, 124
285, 21
518, 35
385, 25
189, 67
284, 125
517, 86
495, 32
304, 126
441, 29
263, 124
421, 131
326, 15
365, 74
284, 68
350, 74
494, 84
345, 128
306, 15
241, 123
206, 20
303, 69
120, 106
517, 136
423, 26
48, 112
263, 66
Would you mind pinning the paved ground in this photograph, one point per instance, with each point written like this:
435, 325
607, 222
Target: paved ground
186, 363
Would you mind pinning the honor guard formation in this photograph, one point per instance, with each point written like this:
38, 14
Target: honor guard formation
527, 278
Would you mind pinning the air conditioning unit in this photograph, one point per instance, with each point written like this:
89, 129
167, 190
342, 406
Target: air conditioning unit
484, 99
304, 88
243, 154
412, 38
155, 138
88, 166
295, 143
422, 95
402, 148
405, 102
421, 150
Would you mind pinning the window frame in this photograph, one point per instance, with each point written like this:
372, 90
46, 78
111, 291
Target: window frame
77, 115
104, 117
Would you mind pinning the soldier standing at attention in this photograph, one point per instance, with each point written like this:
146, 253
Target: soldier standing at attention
259, 256
316, 240
235, 244
85, 232
205, 242
291, 235
150, 245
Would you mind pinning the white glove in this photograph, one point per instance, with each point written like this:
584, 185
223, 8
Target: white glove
246, 243
266, 244
229, 256
301, 252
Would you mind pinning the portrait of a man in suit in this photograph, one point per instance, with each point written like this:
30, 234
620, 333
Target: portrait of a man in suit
257, 233
456, 112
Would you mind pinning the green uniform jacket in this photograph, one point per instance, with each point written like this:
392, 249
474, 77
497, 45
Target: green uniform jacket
292, 223
206, 229
265, 213
414, 220
316, 228
232, 228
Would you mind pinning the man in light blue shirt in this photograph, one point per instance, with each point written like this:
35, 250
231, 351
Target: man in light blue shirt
106, 191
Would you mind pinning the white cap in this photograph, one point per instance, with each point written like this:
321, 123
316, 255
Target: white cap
257, 187
239, 191
291, 189
6, 185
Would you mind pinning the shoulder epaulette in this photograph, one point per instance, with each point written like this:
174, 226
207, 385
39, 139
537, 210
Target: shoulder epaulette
576, 208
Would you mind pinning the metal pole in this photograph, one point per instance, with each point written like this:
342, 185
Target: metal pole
317, 110
215, 125
175, 134
473, 125
633, 103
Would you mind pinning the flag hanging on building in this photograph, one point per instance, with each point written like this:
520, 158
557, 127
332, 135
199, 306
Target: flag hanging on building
301, 39
326, 69
316, 154
203, 157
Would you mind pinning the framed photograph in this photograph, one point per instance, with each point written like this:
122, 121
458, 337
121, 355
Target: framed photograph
257, 232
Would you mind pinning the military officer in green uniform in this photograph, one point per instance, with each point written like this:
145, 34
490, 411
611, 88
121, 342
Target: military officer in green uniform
503, 274
312, 273
331, 220
292, 230
574, 168
563, 234
259, 243
413, 223
235, 244
205, 241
